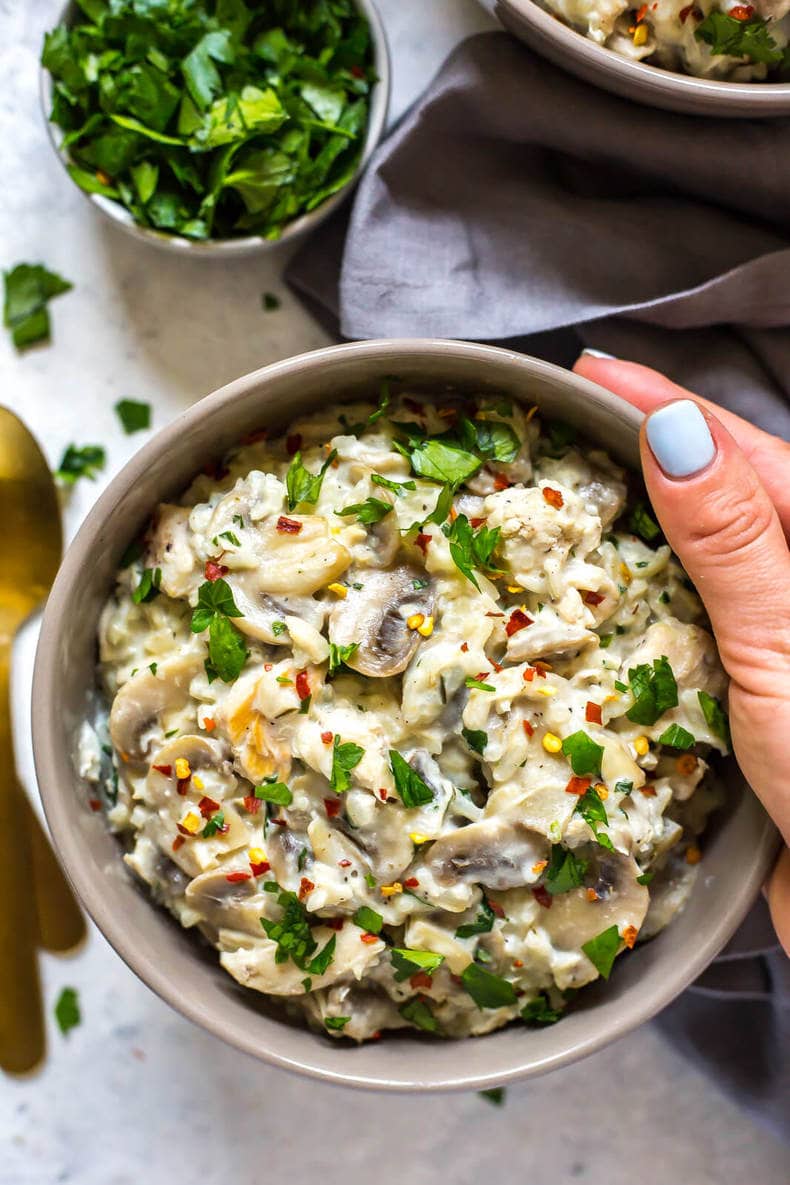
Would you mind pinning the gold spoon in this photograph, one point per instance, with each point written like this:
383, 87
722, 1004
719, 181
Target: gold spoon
33, 892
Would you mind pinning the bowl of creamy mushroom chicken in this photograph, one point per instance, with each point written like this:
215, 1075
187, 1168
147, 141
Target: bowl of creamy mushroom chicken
407, 713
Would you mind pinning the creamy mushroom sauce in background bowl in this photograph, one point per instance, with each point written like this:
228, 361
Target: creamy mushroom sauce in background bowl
387, 805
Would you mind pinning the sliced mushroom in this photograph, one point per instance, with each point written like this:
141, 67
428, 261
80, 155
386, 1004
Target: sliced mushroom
494, 852
370, 1010
260, 610
690, 650
547, 635
170, 550
135, 717
382, 543
234, 904
254, 964
297, 562
206, 758
620, 900
288, 853
374, 616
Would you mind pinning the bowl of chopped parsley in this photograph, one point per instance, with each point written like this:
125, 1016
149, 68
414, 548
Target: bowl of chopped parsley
216, 126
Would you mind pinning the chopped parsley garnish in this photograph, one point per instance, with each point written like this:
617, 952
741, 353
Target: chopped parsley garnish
642, 523
540, 1012
367, 919
475, 738
227, 649
370, 880
654, 690
645, 878
624, 786
561, 437
478, 684
276, 792
336, 1023
148, 586
602, 950
486, 989
725, 34
320, 963
278, 628
412, 790
494, 1095
564, 872
483, 923
28, 288
213, 825
231, 538
345, 757
439, 460
396, 487
293, 935
134, 416
593, 811
677, 737
605, 641
441, 511
407, 962
80, 461
472, 549
418, 583
583, 753
715, 717
418, 1012
339, 655
270, 302
302, 485
372, 510
67, 1010
490, 439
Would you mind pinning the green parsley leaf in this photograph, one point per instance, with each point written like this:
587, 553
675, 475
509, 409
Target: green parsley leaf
227, 650
654, 690
444, 504
213, 825
475, 738
418, 1012
715, 717
605, 641
624, 786
67, 1010
642, 523
645, 878
302, 485
80, 461
336, 1023
214, 596
231, 538
727, 35
439, 460
397, 487
483, 923
276, 792
134, 416
278, 628
593, 811
677, 737
148, 586
490, 439
370, 880
583, 753
408, 962
372, 510
472, 549
412, 789
486, 989
478, 684
561, 437
602, 950
293, 934
495, 1095
345, 757
319, 964
339, 655
270, 302
565, 871
28, 288
367, 919
540, 1012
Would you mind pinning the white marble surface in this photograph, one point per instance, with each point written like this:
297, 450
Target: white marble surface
136, 1094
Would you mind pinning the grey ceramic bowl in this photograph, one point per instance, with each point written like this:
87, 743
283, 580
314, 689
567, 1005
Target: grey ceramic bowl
253, 244
603, 67
172, 961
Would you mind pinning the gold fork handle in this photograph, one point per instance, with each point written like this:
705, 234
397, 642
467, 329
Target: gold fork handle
21, 1017
60, 922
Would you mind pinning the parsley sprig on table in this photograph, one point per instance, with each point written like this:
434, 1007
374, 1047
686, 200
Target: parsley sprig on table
212, 118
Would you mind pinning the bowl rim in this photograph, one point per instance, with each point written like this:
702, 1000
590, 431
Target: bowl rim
727, 95
119, 216
54, 768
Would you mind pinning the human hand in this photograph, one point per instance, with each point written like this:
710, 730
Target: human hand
720, 488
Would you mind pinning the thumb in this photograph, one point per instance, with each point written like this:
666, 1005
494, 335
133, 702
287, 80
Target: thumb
723, 526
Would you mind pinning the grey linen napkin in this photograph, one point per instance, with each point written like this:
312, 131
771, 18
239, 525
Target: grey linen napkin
517, 204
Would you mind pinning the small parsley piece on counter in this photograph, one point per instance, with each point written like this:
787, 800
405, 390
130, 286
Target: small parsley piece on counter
276, 792
677, 737
642, 523
367, 919
593, 811
654, 690
336, 1023
412, 790
270, 302
80, 461
602, 950
486, 989
372, 510
339, 655
540, 1012
495, 1095
301, 484
715, 717
67, 1010
478, 684
227, 649
751, 38
583, 753
472, 549
475, 738
396, 487
28, 288
345, 757
407, 962
148, 586
565, 871
418, 1012
134, 416
483, 923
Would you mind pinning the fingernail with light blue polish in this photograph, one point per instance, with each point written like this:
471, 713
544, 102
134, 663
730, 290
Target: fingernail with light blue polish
597, 353
680, 439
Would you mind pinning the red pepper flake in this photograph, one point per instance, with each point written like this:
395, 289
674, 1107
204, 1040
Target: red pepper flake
690, 10
334, 923
528, 729
178, 842
209, 724
496, 908
495, 615
252, 804
383, 793
591, 895
165, 770
541, 668
501, 482
254, 437
518, 962
261, 867
592, 713
368, 938
94, 804
344, 863
288, 526
183, 831
553, 497
327, 737
542, 896
293, 443
302, 685
214, 570
578, 785
630, 933
529, 674
641, 14
207, 806
182, 785
421, 980
332, 807
268, 666
422, 542
235, 878
411, 882
476, 522
306, 887
650, 791
591, 598
377, 1035
279, 822
464, 647
518, 620
357, 72
741, 12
